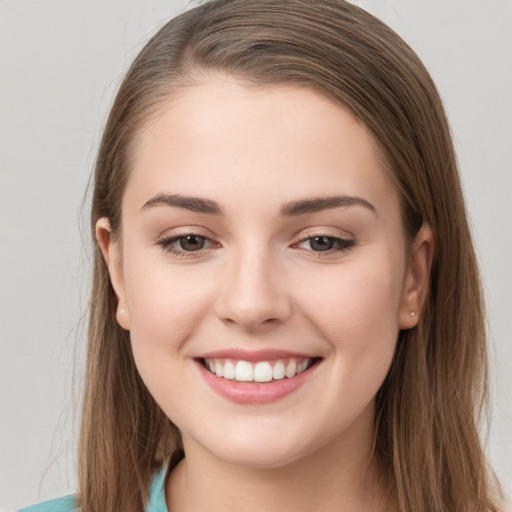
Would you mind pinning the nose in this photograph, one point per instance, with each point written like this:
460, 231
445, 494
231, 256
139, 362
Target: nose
253, 293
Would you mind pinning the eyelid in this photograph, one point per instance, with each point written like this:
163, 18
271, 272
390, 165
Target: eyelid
312, 232
167, 240
345, 243
184, 230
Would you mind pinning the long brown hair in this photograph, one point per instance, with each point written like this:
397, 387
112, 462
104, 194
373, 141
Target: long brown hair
429, 407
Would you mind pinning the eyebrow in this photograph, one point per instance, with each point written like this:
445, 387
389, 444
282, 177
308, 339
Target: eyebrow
194, 204
293, 208
318, 204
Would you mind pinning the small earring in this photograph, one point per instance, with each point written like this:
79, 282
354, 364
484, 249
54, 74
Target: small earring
412, 313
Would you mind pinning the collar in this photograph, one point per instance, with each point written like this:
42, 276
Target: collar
156, 501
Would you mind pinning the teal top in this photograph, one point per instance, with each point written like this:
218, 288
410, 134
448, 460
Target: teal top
156, 501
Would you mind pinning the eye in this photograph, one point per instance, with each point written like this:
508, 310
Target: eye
186, 245
325, 244
191, 243
321, 243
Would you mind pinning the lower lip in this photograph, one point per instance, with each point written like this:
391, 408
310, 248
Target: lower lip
255, 392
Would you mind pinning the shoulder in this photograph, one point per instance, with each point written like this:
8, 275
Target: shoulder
64, 504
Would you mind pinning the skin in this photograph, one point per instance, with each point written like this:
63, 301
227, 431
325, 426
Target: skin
258, 283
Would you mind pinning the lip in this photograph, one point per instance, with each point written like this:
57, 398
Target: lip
254, 392
253, 356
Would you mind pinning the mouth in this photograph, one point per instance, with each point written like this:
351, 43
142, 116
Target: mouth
256, 377
264, 371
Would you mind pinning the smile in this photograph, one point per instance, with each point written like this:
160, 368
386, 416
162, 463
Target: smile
259, 377
260, 371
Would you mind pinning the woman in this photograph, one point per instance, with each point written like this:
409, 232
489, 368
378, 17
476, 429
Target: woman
286, 310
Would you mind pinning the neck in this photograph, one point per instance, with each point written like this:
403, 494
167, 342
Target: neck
341, 476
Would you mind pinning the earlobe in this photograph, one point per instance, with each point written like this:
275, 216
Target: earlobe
417, 278
112, 255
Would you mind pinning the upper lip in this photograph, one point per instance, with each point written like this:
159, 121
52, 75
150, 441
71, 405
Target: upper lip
240, 354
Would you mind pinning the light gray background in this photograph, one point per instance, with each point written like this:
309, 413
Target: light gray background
60, 63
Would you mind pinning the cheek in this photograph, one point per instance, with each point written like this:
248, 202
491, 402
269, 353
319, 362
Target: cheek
166, 307
165, 304
355, 309
352, 300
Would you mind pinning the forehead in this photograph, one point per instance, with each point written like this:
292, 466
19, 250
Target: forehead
238, 141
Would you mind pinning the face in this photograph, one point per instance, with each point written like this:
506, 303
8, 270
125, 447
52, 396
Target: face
262, 271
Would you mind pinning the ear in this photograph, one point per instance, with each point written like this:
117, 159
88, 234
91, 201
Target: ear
111, 251
416, 278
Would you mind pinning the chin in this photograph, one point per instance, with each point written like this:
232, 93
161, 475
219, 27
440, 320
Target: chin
258, 458
259, 451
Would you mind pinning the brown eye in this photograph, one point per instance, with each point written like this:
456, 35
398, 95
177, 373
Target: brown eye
188, 245
191, 243
326, 245
322, 243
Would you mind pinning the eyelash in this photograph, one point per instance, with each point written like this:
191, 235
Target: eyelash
167, 244
340, 244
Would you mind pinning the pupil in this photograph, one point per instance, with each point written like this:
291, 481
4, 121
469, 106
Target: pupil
322, 243
192, 243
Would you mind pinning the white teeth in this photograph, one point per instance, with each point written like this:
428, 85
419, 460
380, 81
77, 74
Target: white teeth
263, 372
244, 371
302, 366
291, 368
229, 370
278, 371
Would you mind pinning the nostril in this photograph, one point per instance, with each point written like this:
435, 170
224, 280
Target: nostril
250, 322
